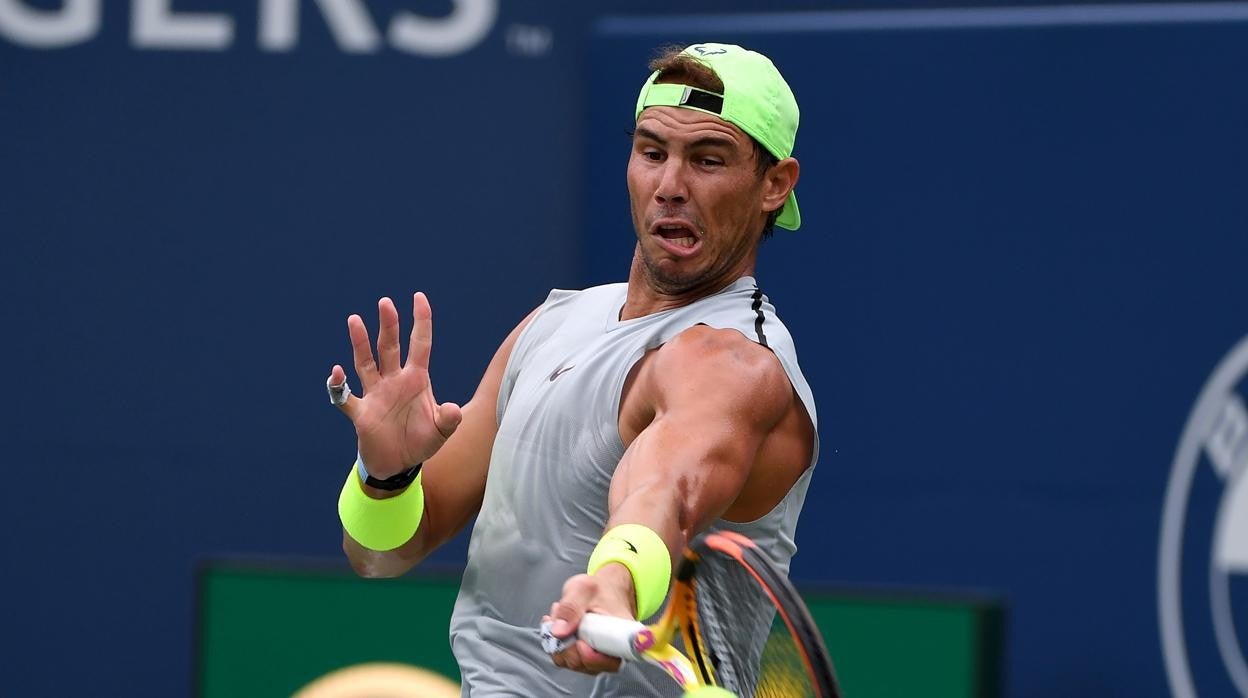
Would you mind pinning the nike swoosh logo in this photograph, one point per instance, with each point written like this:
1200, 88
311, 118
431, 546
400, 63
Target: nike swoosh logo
560, 371
630, 545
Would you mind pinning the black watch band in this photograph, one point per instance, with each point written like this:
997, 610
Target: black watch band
395, 482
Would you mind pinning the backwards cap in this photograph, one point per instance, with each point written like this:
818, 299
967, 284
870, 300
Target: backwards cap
756, 99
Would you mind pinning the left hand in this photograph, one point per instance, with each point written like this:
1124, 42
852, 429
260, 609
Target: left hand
609, 592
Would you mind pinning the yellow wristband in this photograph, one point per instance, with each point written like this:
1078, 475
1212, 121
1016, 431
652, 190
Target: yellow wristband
645, 555
380, 524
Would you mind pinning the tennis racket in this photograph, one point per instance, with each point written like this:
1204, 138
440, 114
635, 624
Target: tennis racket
742, 625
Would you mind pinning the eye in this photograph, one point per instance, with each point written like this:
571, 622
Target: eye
652, 154
710, 162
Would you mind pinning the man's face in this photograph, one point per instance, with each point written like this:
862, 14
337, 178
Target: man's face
696, 198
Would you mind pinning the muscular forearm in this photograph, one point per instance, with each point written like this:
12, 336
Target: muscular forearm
382, 534
676, 483
452, 482
389, 563
657, 507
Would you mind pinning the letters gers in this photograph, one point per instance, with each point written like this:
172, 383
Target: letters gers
154, 24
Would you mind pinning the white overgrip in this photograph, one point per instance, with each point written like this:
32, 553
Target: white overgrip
617, 637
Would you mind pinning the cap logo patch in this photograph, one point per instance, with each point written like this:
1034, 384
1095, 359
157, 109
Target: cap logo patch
706, 101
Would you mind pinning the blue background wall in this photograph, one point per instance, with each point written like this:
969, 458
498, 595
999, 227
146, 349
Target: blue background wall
1023, 256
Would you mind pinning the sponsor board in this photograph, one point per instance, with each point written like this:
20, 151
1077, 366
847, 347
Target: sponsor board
156, 25
1203, 552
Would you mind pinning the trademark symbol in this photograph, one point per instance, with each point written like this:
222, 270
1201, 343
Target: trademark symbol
529, 40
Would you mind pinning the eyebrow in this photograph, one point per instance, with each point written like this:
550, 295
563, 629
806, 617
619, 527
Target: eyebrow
705, 141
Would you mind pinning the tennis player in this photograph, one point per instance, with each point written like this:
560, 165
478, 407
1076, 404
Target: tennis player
615, 422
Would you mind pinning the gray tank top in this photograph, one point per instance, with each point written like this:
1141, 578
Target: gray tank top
545, 501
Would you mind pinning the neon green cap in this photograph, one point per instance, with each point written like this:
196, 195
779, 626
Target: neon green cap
756, 100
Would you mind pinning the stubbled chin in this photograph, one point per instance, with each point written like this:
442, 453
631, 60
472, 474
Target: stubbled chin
671, 274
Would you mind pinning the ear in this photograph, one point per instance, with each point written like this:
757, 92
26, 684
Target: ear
778, 181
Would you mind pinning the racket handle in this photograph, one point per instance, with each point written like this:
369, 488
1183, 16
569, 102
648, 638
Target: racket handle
612, 636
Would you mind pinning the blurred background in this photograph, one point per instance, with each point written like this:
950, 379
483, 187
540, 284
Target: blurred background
1018, 293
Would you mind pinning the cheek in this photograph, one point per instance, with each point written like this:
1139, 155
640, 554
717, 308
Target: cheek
636, 196
636, 183
736, 204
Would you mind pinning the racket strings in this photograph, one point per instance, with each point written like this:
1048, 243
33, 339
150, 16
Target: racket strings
784, 671
751, 648
749, 644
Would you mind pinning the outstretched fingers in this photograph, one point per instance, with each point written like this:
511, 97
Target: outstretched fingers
388, 362
422, 332
362, 352
387, 337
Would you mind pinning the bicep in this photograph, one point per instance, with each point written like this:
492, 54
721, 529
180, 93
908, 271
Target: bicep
714, 407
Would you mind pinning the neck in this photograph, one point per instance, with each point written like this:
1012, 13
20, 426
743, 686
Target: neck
645, 298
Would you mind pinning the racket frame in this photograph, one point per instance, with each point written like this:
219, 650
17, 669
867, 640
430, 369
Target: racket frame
630, 639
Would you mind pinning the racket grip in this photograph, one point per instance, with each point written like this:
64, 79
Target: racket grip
611, 635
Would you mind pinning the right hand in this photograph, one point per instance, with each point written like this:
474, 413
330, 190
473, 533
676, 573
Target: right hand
397, 420
609, 592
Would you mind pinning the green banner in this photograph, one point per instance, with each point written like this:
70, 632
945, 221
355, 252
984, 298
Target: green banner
267, 631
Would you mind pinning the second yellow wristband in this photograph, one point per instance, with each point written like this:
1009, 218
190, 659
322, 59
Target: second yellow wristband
645, 555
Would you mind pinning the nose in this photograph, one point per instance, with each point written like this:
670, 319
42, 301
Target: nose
672, 187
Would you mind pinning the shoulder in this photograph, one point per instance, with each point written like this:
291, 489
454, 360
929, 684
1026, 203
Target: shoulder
701, 343
560, 302
720, 366
558, 295
564, 305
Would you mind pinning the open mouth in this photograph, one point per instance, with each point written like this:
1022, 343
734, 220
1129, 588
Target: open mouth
676, 235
